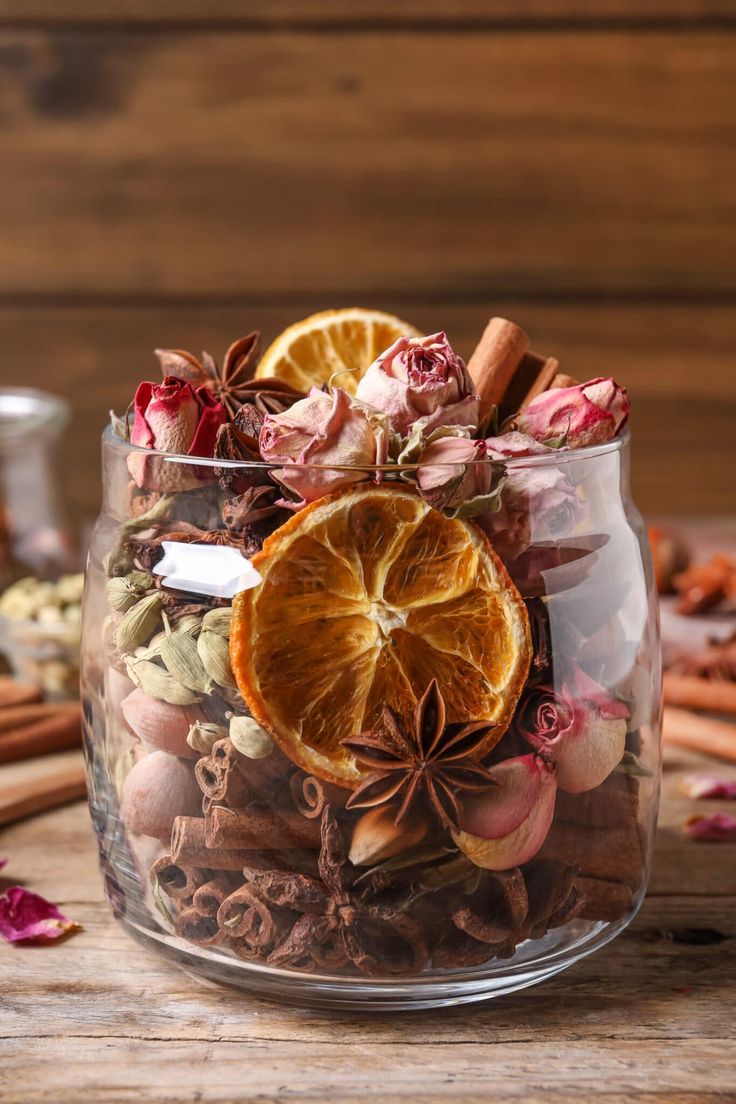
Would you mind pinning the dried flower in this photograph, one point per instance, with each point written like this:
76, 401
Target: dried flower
455, 470
428, 759
323, 430
587, 414
706, 785
175, 418
420, 378
719, 828
26, 917
228, 384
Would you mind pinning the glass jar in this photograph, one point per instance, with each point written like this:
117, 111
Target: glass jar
395, 756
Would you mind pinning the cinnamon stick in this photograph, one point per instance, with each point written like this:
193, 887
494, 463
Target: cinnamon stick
20, 715
208, 898
693, 692
17, 693
495, 360
58, 728
704, 734
260, 827
50, 791
196, 928
533, 375
310, 795
604, 900
177, 881
562, 380
221, 780
189, 847
252, 926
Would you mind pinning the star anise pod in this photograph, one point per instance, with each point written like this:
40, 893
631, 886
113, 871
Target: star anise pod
429, 759
233, 383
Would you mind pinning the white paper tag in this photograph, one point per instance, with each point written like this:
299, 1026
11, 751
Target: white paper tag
212, 569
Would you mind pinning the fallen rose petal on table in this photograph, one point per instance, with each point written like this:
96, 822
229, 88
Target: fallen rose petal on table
707, 785
26, 917
717, 828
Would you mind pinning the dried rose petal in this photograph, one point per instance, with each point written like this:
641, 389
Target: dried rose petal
27, 918
707, 785
720, 827
3, 862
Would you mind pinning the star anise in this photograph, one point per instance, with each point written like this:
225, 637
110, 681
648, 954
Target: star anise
429, 759
233, 383
338, 925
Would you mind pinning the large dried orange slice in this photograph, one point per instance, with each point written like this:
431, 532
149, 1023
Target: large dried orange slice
310, 352
366, 596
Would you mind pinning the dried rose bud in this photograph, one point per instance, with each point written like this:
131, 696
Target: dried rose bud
506, 824
321, 430
176, 418
719, 828
26, 917
420, 378
589, 414
453, 470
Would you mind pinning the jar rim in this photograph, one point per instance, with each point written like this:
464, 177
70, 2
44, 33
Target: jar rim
25, 409
554, 458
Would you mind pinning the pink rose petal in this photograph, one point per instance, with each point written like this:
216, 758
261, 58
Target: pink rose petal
719, 828
26, 917
707, 785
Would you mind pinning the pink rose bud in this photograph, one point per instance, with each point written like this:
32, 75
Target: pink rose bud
453, 470
177, 418
420, 378
323, 430
587, 414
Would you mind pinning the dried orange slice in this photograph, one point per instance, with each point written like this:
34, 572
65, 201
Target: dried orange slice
366, 596
310, 352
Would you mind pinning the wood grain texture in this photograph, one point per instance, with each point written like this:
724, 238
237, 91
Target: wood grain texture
676, 361
100, 1020
429, 13
232, 163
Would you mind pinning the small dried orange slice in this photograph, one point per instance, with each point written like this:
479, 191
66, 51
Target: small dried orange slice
347, 341
366, 596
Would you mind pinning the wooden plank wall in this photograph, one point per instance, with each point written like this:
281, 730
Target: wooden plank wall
175, 173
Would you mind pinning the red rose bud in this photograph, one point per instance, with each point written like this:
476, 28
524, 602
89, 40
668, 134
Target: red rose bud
28, 918
420, 379
176, 418
574, 417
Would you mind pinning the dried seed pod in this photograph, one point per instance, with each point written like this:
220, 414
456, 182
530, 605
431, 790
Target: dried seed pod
158, 683
181, 659
188, 626
139, 624
247, 737
218, 620
376, 837
215, 655
203, 735
124, 591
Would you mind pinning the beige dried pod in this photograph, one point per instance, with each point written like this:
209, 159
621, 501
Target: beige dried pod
124, 591
376, 837
139, 623
158, 683
181, 659
203, 735
188, 626
247, 737
218, 620
214, 652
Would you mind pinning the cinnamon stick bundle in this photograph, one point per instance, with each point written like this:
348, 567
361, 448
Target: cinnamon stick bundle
36, 795
704, 734
260, 827
693, 692
30, 730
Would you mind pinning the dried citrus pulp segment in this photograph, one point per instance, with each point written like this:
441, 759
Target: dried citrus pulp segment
366, 596
309, 353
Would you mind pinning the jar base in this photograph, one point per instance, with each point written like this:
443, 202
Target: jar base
570, 944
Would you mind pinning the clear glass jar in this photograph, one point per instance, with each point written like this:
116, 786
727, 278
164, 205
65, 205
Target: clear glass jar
490, 829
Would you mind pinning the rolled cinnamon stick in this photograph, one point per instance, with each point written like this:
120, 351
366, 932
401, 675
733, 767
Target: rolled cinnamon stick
533, 376
221, 780
310, 795
25, 799
196, 928
495, 360
704, 734
18, 716
189, 847
57, 728
604, 900
208, 898
562, 380
252, 927
258, 773
17, 693
700, 693
260, 827
176, 880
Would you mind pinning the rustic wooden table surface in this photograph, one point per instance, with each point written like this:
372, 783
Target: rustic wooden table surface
649, 1018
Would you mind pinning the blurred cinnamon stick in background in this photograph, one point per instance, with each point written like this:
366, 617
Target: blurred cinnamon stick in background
704, 734
30, 730
694, 692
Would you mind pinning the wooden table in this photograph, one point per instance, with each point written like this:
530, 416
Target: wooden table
649, 1018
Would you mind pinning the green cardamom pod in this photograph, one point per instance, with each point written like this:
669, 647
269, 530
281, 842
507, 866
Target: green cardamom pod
247, 737
203, 736
189, 625
215, 655
181, 659
158, 683
218, 620
139, 623
125, 590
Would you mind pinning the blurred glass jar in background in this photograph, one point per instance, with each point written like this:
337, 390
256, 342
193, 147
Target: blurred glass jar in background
39, 609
